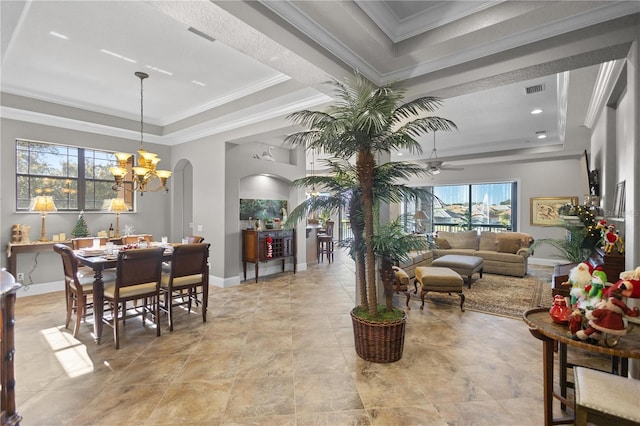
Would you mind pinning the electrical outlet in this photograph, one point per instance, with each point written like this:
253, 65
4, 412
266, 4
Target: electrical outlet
20, 277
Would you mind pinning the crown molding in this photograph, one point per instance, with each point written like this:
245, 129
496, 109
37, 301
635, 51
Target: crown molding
296, 17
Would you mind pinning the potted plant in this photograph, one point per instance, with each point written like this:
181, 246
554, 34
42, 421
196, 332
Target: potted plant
366, 121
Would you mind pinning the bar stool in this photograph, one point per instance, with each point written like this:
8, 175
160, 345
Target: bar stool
324, 243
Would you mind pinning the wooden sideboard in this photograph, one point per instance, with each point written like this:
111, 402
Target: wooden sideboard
9, 415
611, 263
257, 248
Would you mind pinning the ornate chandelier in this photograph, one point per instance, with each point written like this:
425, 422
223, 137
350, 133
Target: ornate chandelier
145, 177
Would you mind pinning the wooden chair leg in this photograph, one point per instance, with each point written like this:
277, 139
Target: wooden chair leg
76, 326
69, 309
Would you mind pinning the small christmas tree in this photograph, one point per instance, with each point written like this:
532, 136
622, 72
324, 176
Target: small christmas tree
81, 229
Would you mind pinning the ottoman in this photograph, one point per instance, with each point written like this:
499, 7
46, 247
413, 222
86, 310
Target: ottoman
442, 280
463, 265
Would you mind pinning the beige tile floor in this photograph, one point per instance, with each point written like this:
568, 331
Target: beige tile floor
279, 352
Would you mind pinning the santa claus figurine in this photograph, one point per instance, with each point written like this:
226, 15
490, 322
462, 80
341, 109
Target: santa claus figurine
608, 317
579, 279
628, 285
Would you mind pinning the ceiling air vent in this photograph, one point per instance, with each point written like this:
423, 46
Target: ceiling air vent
534, 89
201, 34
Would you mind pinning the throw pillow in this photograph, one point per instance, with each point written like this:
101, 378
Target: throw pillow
508, 245
442, 243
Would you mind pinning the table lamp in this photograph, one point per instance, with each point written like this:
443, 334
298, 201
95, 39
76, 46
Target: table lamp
419, 216
43, 204
118, 205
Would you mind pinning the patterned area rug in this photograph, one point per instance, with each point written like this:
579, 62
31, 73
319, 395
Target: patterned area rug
501, 295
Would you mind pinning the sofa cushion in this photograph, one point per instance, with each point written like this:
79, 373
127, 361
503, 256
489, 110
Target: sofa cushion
488, 240
442, 243
461, 240
490, 255
525, 239
508, 245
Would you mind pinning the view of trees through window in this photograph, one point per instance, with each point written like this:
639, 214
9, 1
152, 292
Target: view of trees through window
76, 178
482, 207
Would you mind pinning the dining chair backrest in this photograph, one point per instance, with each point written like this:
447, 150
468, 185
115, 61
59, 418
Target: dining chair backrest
84, 242
329, 227
69, 263
192, 239
190, 259
139, 266
135, 239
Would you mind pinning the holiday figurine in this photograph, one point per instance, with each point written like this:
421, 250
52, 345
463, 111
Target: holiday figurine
560, 311
579, 278
607, 318
596, 288
628, 284
575, 321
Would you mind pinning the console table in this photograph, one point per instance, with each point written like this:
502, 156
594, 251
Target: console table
256, 248
13, 250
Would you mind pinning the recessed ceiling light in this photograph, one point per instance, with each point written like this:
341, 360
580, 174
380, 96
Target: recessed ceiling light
119, 56
55, 34
536, 111
199, 83
543, 136
160, 70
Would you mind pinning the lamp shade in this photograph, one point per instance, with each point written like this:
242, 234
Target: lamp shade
43, 203
118, 205
419, 215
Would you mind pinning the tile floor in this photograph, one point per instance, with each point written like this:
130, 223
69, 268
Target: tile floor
279, 352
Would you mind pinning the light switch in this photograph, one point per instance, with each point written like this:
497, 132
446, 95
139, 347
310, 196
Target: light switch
199, 228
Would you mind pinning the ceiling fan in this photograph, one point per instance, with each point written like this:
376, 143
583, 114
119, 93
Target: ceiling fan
435, 166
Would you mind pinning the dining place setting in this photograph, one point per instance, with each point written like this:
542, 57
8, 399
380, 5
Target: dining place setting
102, 276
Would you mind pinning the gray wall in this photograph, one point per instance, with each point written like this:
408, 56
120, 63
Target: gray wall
152, 214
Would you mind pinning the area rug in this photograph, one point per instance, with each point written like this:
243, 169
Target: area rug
500, 295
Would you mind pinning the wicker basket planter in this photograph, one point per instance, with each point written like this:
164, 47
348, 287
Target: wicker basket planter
377, 341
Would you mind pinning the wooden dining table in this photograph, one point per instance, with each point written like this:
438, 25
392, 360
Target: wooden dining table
99, 264
542, 327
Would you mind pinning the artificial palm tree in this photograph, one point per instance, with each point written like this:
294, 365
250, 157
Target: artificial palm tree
366, 121
391, 243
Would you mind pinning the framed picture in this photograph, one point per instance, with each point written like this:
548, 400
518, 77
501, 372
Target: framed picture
545, 210
619, 202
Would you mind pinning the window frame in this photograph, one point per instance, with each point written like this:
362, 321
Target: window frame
410, 207
67, 197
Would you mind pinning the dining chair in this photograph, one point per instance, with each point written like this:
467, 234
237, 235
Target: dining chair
189, 273
85, 242
192, 239
77, 288
138, 273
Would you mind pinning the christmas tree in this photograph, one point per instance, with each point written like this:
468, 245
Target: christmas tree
81, 229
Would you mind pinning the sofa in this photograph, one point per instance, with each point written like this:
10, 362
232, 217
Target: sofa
416, 258
504, 253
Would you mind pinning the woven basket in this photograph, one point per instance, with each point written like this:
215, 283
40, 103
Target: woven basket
380, 342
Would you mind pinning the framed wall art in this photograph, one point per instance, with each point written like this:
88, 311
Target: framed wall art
545, 210
262, 209
619, 202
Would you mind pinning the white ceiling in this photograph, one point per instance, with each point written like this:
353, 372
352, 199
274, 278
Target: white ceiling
269, 58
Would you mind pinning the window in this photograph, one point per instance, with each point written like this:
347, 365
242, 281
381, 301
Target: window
484, 207
76, 178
